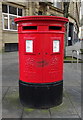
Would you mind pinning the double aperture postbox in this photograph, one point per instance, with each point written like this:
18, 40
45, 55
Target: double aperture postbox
41, 52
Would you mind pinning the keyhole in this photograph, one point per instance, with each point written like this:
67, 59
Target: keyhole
46, 53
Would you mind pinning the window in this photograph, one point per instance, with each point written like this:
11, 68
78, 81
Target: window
12, 10
12, 25
19, 11
9, 14
39, 12
57, 4
4, 8
5, 17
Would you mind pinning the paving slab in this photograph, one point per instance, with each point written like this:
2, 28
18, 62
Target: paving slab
11, 104
74, 94
10, 75
72, 74
36, 113
10, 69
65, 110
0, 94
4, 91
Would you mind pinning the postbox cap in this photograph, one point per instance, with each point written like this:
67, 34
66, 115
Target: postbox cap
40, 17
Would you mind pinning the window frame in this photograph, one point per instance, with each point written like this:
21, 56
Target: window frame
8, 14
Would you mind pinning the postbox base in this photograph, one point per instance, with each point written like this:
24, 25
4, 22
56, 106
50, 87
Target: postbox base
41, 95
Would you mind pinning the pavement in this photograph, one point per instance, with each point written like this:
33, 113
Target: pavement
11, 106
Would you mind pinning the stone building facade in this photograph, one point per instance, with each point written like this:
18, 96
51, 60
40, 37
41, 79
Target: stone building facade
11, 10
81, 27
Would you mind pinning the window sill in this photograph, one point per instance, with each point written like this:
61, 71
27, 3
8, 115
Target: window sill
10, 31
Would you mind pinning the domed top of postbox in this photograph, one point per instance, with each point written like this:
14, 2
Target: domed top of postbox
41, 18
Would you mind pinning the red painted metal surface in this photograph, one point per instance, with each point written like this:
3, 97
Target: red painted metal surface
41, 65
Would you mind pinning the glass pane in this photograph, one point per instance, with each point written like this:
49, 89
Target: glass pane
13, 25
12, 10
57, 4
4, 8
5, 17
19, 11
39, 12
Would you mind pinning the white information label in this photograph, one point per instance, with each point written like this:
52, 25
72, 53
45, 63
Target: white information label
56, 45
29, 46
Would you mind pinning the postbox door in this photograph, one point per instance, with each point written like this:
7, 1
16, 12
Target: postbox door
52, 58
33, 59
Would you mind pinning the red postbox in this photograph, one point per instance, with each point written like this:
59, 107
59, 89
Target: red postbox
41, 52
